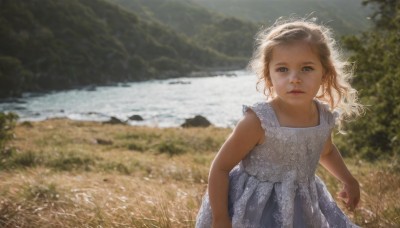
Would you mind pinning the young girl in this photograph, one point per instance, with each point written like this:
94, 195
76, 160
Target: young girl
264, 174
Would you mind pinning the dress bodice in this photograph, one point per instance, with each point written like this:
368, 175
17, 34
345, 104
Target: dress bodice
287, 153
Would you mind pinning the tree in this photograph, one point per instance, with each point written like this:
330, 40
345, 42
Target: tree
377, 56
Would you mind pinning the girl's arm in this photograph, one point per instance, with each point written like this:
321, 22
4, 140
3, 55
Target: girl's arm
246, 135
333, 162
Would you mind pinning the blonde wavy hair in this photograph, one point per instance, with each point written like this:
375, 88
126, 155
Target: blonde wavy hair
336, 90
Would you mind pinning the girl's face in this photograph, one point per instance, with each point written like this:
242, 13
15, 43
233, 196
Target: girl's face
296, 72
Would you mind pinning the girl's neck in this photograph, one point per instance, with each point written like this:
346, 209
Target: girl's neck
296, 115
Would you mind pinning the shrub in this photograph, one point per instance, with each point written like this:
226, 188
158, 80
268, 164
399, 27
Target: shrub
171, 148
7, 124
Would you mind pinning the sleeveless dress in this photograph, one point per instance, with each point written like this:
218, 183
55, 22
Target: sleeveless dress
275, 184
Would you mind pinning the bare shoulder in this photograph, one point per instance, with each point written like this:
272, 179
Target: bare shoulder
328, 146
247, 134
250, 127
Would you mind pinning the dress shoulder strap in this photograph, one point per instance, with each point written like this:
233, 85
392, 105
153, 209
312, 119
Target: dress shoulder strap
330, 117
264, 112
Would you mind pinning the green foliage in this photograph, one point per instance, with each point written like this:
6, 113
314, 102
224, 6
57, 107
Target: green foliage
58, 161
227, 35
22, 160
62, 44
182, 16
41, 192
171, 147
345, 17
230, 36
7, 124
386, 13
71, 161
165, 63
117, 166
12, 75
377, 57
172, 142
137, 146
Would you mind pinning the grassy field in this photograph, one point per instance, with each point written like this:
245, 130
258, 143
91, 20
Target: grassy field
65, 173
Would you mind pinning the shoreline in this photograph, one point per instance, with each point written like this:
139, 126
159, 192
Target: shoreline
103, 123
204, 72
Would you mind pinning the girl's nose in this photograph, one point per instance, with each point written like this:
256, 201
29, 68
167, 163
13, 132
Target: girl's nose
294, 78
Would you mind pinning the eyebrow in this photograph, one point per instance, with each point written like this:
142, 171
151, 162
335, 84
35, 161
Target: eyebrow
304, 63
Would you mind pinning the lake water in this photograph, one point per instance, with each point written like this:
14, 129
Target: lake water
162, 103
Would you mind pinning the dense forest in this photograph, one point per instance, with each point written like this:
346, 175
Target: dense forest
228, 35
61, 44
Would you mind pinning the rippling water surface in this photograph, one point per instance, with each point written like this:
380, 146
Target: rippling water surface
162, 103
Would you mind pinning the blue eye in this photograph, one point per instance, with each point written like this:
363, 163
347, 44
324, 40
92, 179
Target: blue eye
282, 69
307, 68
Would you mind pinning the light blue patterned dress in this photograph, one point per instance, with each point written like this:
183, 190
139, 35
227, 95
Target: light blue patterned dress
275, 184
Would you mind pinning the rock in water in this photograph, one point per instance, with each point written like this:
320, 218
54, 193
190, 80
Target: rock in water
197, 121
114, 120
136, 118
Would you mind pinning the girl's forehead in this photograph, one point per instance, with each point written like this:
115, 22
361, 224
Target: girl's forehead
300, 49
295, 45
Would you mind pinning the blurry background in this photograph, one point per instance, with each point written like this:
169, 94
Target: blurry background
110, 58
165, 61
53, 45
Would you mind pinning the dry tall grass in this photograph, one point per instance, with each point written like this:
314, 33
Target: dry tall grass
84, 174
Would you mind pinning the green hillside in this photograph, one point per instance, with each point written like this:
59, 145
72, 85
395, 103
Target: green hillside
62, 44
228, 35
182, 16
345, 17
46, 45
229, 26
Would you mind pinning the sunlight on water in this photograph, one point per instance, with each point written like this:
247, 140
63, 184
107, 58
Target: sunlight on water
162, 103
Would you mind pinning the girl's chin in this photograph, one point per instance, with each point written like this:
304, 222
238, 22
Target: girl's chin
296, 99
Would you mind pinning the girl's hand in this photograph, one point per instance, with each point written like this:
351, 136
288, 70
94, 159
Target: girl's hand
350, 194
222, 223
